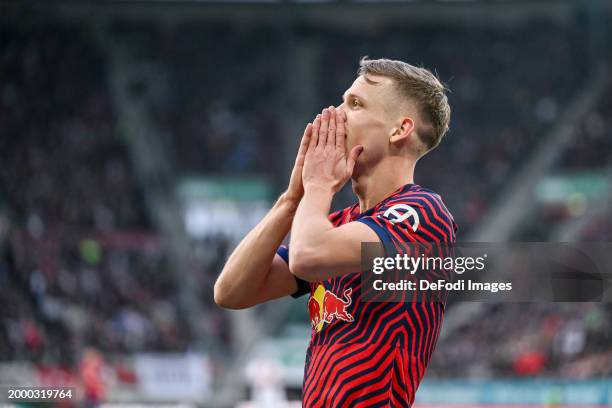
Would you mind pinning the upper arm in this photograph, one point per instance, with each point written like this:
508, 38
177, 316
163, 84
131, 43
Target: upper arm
338, 252
419, 217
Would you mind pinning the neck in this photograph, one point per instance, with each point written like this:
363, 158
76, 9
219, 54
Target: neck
378, 183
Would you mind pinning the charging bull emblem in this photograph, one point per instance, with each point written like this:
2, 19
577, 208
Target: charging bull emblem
324, 306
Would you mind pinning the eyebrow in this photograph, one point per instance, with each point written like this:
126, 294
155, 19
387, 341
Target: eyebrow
370, 81
346, 95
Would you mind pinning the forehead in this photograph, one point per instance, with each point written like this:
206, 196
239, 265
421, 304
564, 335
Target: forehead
371, 86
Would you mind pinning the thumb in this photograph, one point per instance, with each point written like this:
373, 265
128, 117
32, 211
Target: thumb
353, 155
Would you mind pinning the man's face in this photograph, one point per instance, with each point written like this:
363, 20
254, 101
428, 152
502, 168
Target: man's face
370, 116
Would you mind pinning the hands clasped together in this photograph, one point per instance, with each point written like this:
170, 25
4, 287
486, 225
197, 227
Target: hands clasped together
323, 160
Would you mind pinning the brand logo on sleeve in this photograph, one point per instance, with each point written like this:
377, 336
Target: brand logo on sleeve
402, 212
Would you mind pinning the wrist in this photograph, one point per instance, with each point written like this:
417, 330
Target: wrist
288, 202
319, 188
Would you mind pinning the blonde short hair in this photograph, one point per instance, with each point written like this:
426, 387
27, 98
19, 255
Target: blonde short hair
422, 87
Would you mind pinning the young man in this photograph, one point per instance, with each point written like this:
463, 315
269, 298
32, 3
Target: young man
361, 353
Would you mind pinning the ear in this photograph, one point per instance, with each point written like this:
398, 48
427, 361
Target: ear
402, 132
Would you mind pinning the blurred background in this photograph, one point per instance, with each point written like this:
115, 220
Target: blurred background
140, 140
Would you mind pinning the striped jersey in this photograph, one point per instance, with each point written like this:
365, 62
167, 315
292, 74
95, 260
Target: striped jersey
374, 354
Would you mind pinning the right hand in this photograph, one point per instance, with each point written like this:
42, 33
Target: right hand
327, 164
295, 191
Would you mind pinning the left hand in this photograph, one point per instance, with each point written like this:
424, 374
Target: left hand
327, 164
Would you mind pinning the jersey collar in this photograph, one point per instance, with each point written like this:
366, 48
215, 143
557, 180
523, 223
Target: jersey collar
405, 188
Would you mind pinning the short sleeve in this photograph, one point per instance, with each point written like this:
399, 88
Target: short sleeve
303, 286
414, 218
381, 229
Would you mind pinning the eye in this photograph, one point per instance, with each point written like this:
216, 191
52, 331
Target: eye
354, 103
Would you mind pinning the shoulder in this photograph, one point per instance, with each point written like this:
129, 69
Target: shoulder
341, 216
421, 197
424, 210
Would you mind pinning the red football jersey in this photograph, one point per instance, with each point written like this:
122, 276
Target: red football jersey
374, 354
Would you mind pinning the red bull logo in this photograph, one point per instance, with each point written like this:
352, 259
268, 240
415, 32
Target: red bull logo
324, 306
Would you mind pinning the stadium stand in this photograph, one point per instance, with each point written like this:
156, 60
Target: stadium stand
524, 98
554, 340
583, 168
567, 340
83, 265
81, 261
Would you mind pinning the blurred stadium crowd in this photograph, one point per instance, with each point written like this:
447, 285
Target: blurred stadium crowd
488, 142
567, 340
83, 265
590, 153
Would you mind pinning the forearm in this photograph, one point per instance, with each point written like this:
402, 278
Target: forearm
308, 230
249, 263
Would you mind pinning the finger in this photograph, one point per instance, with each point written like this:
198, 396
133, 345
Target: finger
331, 131
305, 142
324, 126
340, 131
314, 136
350, 163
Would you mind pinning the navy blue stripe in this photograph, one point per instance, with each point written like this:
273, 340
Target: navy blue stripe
336, 362
354, 368
283, 252
433, 199
371, 395
374, 380
440, 211
303, 286
383, 234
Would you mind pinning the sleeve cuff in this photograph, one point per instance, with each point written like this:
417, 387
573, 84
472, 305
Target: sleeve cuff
303, 286
283, 252
383, 235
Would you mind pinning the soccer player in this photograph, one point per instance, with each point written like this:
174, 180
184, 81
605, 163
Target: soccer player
360, 353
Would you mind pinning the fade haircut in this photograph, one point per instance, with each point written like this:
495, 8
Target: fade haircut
420, 86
